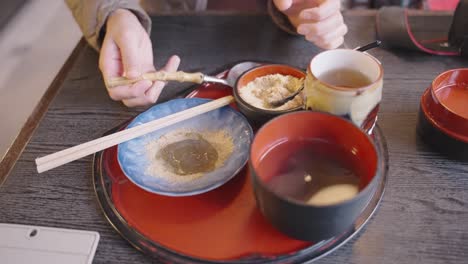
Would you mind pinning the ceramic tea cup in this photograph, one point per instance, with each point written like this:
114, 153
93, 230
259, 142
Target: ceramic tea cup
347, 83
311, 181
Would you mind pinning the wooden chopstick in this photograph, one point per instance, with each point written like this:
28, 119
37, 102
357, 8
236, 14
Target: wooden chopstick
202, 108
67, 155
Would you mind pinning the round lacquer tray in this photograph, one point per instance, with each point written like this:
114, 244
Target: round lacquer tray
220, 226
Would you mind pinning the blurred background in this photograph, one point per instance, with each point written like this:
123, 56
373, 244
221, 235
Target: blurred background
37, 36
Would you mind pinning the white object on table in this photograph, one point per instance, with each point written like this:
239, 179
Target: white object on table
45, 245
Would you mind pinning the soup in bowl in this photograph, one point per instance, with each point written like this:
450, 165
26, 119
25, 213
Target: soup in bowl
313, 173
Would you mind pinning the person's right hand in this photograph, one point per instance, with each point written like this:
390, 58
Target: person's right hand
127, 51
320, 21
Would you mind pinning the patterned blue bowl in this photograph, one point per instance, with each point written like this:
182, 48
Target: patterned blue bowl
134, 159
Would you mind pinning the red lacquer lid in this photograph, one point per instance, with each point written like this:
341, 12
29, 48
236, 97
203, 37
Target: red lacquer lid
445, 103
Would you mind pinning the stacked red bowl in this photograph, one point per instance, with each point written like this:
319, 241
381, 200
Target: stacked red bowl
443, 117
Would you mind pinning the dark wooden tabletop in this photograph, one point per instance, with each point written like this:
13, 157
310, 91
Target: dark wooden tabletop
423, 217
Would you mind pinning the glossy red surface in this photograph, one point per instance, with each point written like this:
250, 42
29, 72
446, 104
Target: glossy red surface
213, 90
313, 125
222, 224
454, 98
445, 103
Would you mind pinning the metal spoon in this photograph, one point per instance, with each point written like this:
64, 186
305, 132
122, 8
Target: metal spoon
233, 73
239, 69
369, 46
282, 101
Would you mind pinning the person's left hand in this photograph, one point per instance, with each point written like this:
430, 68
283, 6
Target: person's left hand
127, 51
320, 21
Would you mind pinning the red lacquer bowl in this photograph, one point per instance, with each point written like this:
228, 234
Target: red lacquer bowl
288, 133
443, 117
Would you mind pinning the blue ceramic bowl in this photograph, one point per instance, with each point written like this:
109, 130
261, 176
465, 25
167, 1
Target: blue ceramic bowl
134, 160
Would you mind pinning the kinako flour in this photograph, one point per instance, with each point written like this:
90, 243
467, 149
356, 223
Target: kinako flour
185, 155
265, 89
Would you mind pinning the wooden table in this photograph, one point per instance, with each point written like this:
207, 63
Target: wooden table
423, 217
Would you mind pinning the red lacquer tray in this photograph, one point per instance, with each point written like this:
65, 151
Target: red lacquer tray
220, 226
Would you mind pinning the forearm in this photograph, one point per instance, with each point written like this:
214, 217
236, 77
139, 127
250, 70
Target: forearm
91, 16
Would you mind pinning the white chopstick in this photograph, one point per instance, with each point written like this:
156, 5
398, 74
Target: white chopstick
68, 155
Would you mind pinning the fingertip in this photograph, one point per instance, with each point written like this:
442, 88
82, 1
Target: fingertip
339, 43
283, 5
345, 30
153, 99
175, 58
152, 95
172, 64
155, 91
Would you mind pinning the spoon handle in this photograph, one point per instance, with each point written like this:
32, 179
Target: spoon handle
371, 45
179, 76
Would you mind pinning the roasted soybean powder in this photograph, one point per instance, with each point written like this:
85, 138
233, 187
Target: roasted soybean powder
269, 88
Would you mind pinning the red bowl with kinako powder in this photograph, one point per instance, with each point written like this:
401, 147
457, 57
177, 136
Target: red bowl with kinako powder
443, 115
298, 159
258, 116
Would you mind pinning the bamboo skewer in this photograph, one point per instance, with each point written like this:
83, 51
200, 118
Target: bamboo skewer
68, 155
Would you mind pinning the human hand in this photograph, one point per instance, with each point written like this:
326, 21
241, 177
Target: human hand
127, 51
320, 21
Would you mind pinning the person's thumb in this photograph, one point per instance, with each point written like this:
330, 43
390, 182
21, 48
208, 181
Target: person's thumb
131, 59
283, 5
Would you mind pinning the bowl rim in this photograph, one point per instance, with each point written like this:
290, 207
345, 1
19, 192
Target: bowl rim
433, 119
369, 187
346, 89
256, 109
435, 87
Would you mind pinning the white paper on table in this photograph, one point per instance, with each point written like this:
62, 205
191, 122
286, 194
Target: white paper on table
40, 245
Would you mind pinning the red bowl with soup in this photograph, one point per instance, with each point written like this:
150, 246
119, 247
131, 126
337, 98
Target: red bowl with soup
443, 116
313, 173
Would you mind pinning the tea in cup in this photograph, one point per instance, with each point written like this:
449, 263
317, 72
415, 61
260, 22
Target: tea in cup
346, 83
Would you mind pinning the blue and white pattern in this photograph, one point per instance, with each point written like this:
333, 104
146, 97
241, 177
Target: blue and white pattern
134, 161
